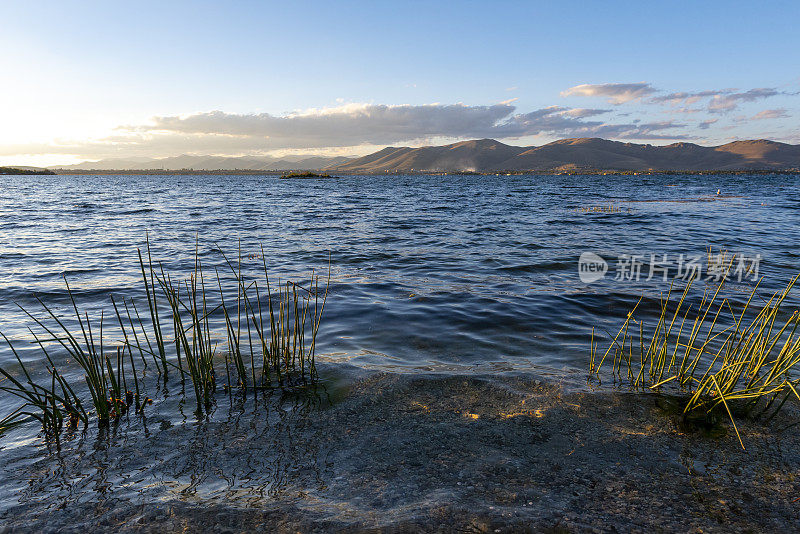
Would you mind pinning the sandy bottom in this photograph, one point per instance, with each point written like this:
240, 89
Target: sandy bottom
400, 453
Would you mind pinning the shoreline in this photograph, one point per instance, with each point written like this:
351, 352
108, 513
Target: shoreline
424, 452
587, 172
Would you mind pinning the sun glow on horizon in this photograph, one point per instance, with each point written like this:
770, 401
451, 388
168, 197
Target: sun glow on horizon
82, 85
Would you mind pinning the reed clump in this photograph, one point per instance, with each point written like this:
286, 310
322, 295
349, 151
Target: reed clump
716, 358
268, 333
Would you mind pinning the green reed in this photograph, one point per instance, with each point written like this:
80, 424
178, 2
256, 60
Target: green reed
270, 340
748, 368
279, 343
152, 305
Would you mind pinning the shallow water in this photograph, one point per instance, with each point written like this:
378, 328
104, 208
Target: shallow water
453, 274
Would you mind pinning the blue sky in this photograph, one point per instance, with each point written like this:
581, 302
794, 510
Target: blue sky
92, 80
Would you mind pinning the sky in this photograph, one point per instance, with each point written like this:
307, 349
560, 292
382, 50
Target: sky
95, 80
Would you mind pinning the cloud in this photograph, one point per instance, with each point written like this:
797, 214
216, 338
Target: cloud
347, 125
687, 99
779, 113
684, 110
582, 113
355, 124
719, 100
724, 103
615, 93
642, 131
705, 125
350, 124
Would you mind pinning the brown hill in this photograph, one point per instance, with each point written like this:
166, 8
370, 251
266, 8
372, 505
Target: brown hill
763, 152
487, 155
474, 155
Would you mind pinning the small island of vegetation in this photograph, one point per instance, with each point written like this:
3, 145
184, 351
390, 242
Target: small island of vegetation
306, 174
15, 170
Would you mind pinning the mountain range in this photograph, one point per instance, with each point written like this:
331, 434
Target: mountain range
488, 155
208, 163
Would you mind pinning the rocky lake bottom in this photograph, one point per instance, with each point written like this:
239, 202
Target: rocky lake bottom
396, 453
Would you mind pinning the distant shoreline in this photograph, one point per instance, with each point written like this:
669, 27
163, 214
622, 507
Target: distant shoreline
590, 172
17, 171
485, 157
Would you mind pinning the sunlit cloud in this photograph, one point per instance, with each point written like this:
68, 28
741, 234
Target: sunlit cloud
715, 100
347, 125
724, 103
687, 111
643, 131
779, 113
615, 93
356, 127
582, 113
687, 99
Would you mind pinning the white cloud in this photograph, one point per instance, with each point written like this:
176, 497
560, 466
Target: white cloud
357, 124
684, 110
615, 93
346, 125
718, 100
724, 103
582, 113
779, 113
642, 131
687, 99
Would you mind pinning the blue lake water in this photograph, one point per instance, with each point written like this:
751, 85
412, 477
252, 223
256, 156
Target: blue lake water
427, 272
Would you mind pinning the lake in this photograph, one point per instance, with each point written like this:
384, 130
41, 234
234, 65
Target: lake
429, 275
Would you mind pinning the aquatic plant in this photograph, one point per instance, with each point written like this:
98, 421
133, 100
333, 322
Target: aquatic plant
276, 331
748, 368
